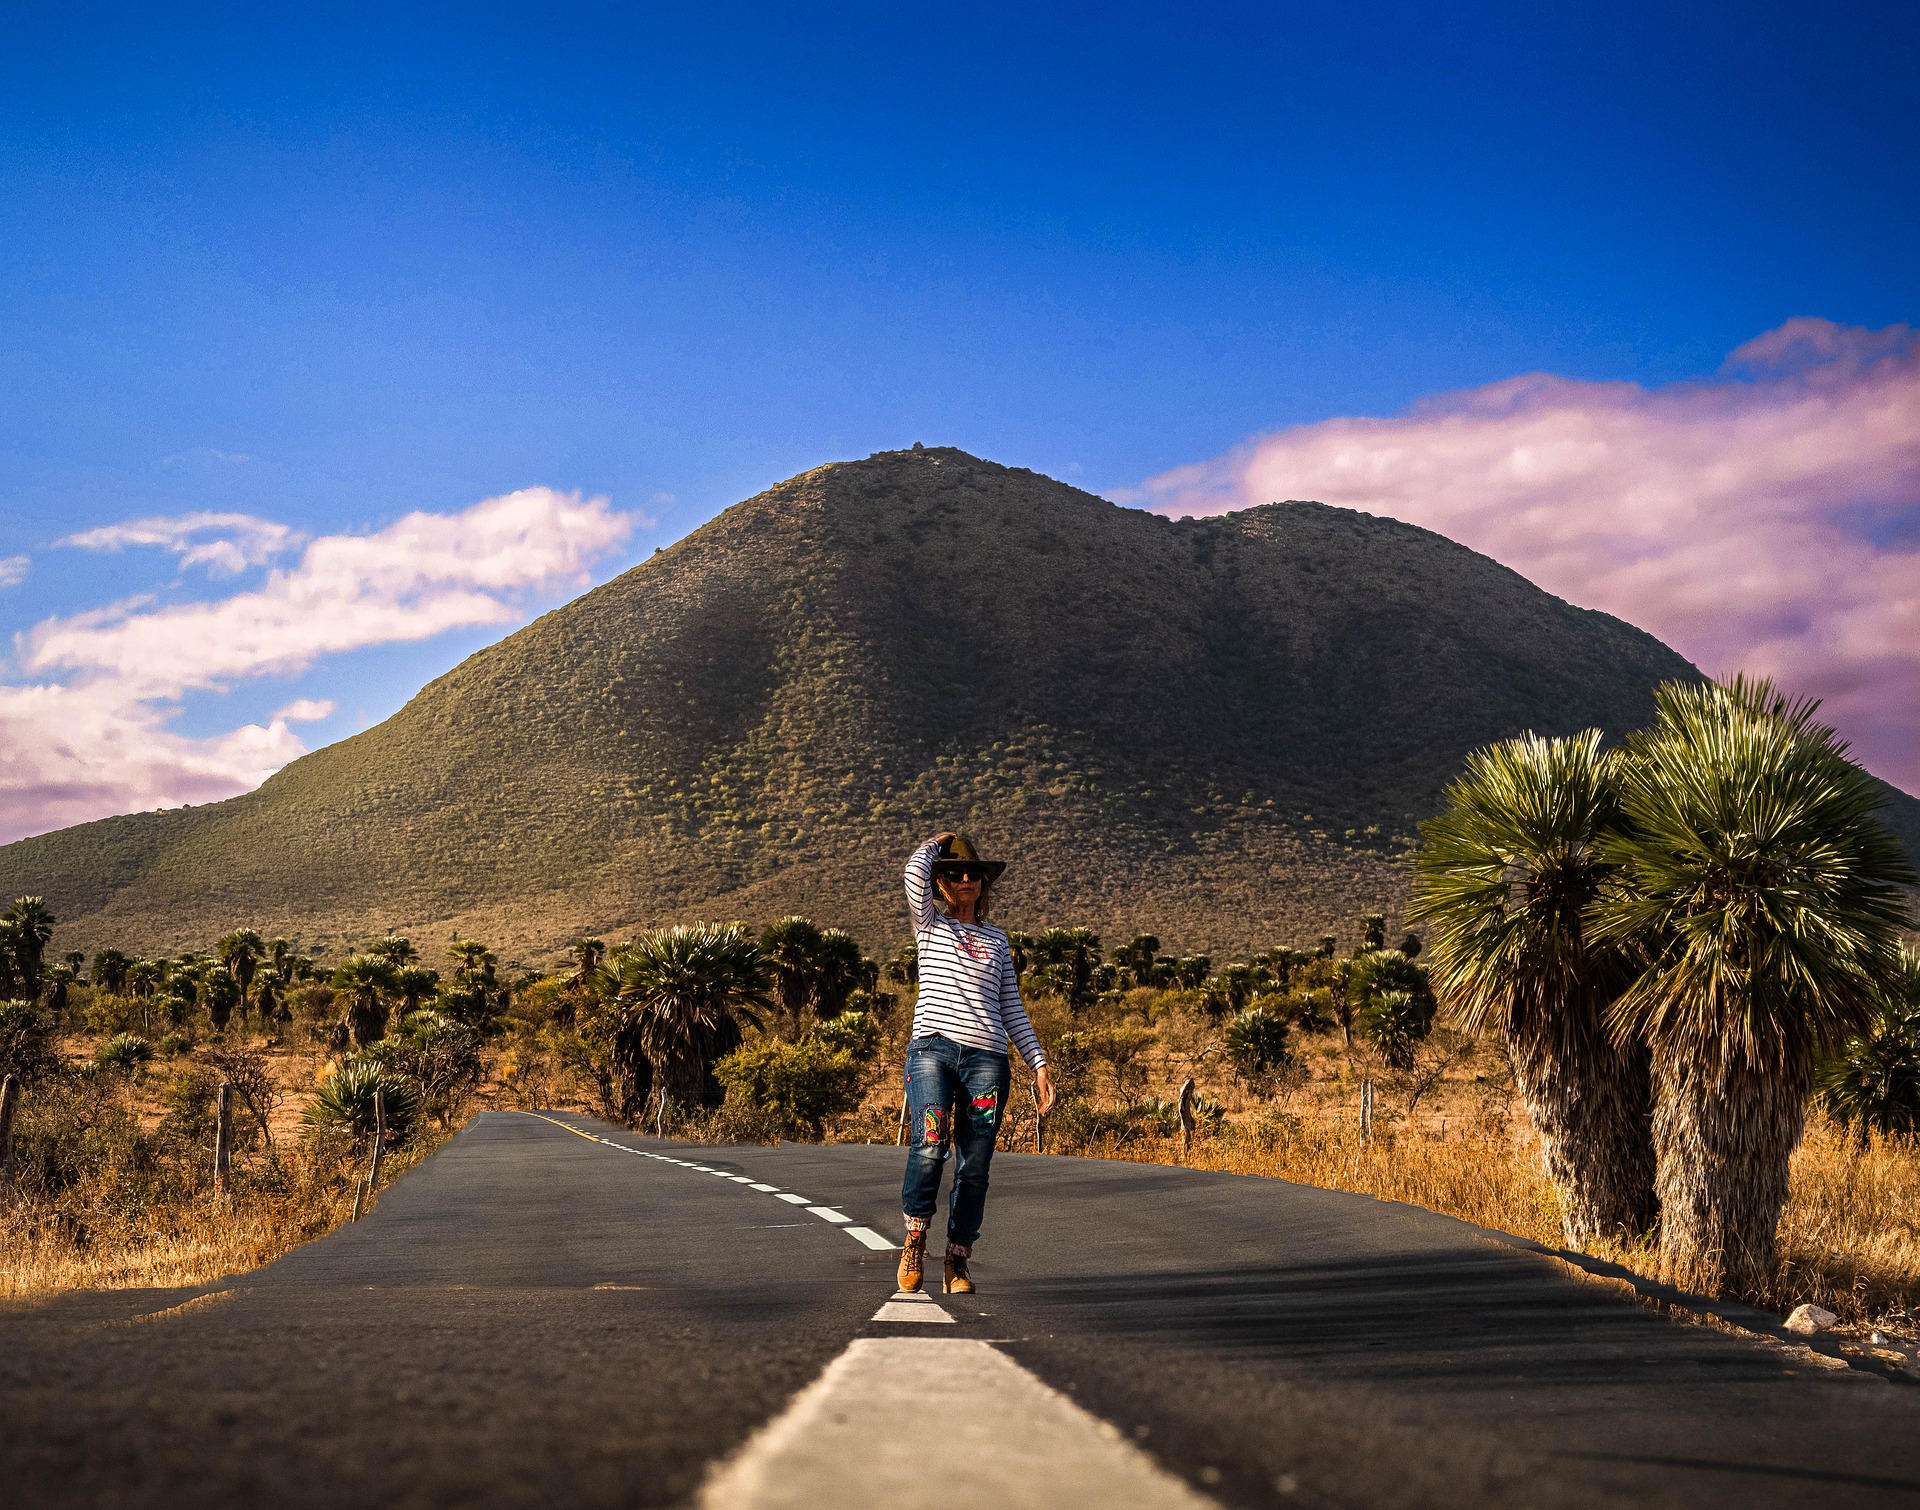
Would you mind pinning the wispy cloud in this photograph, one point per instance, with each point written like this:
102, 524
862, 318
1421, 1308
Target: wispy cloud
1768, 520
226, 544
92, 736
13, 570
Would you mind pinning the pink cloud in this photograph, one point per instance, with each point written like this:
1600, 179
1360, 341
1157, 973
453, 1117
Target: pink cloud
92, 735
1768, 520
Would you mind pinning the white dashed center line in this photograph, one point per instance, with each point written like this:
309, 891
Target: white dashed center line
768, 1188
827, 1214
797, 1200
911, 1305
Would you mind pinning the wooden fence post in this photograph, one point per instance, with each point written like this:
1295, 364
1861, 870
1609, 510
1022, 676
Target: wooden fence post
223, 1140
1186, 1114
363, 1189
9, 1101
1366, 1111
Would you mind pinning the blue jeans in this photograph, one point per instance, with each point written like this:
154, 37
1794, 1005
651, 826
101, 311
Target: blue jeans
956, 1097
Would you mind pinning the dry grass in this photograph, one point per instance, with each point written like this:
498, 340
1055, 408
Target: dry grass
1849, 1239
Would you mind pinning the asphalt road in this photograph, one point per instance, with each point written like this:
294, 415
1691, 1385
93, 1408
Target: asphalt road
533, 1317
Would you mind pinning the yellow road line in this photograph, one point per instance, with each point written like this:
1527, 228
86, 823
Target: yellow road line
557, 1123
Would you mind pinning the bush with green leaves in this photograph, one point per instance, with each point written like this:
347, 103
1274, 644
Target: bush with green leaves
799, 1087
1256, 1042
856, 1032
440, 1056
1393, 1003
1873, 1085
345, 1101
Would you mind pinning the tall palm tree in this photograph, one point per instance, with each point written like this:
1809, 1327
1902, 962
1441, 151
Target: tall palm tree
791, 947
31, 926
839, 969
1873, 1085
687, 990
411, 985
241, 951
587, 953
1763, 893
1504, 878
365, 978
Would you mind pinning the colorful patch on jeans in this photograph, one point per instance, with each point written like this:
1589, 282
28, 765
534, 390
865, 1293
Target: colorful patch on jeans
985, 1106
935, 1130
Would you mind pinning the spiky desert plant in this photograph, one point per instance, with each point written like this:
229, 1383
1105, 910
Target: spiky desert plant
687, 990
241, 952
125, 1052
1754, 877
1873, 1084
345, 1100
1256, 1042
1504, 878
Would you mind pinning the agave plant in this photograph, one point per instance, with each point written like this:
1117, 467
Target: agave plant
346, 1100
1504, 879
1763, 894
1873, 1085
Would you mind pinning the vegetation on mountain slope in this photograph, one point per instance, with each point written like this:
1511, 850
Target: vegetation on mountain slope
1225, 730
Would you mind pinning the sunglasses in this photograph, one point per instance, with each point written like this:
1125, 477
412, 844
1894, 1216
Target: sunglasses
964, 872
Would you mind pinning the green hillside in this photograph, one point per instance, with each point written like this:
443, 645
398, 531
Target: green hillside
1223, 730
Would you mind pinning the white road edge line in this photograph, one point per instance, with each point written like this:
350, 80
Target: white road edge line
1004, 1439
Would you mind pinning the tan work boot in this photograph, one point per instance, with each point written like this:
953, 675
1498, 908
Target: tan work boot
913, 1257
958, 1282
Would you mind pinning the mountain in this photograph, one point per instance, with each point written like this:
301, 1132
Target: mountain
1222, 731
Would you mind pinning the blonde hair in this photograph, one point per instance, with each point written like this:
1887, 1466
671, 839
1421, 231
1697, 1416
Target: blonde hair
979, 907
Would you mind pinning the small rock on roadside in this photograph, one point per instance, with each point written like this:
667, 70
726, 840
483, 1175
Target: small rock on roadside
1808, 1319
1879, 1339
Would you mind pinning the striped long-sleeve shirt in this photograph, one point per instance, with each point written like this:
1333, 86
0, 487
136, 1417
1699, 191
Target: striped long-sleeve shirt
968, 989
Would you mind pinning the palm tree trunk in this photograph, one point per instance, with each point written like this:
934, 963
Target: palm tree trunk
1592, 1110
1724, 1138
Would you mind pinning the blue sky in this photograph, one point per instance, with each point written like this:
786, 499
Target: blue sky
329, 268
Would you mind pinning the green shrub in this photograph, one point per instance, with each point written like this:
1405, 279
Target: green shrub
110, 1014
799, 1086
439, 1056
345, 1101
855, 1032
1256, 1042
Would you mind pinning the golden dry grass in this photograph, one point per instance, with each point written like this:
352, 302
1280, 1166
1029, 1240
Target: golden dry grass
1849, 1238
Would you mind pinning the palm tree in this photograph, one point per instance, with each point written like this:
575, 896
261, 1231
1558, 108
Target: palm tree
587, 952
395, 950
839, 969
31, 925
241, 952
1874, 1084
1504, 877
1763, 895
411, 985
109, 972
792, 950
365, 978
687, 990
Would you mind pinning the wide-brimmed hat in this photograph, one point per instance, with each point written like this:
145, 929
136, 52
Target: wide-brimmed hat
959, 851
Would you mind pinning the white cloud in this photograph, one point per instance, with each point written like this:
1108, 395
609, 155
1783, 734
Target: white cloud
305, 710
1767, 521
13, 570
92, 736
237, 540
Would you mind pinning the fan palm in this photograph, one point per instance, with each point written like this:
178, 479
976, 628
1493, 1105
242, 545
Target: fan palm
241, 951
1763, 895
687, 990
31, 927
1504, 878
1874, 1084
365, 978
791, 947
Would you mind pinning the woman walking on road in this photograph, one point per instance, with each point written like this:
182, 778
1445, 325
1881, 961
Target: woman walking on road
957, 1070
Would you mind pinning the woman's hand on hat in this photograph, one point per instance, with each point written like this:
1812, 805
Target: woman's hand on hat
943, 840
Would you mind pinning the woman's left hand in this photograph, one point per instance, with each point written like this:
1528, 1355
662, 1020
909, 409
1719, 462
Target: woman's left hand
1043, 1089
